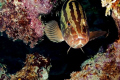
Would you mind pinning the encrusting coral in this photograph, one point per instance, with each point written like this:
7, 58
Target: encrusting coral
3, 75
36, 67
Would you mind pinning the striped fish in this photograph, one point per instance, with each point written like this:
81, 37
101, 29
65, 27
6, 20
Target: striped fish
73, 26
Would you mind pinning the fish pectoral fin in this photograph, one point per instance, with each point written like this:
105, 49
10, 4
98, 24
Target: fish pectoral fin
53, 32
96, 34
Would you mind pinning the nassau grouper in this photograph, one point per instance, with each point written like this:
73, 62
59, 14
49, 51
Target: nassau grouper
73, 26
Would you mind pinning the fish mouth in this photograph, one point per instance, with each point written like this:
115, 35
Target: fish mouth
79, 38
78, 42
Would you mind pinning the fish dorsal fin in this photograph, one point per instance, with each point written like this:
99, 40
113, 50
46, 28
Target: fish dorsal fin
53, 32
96, 34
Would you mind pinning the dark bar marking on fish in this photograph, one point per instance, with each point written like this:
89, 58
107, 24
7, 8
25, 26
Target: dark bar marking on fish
78, 11
65, 4
73, 15
65, 16
73, 18
62, 28
72, 11
80, 28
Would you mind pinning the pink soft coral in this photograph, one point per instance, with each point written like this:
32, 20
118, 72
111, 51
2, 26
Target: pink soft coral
38, 6
19, 24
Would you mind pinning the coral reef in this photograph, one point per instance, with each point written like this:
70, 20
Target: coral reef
19, 23
114, 7
36, 67
18, 18
104, 66
38, 6
3, 75
109, 4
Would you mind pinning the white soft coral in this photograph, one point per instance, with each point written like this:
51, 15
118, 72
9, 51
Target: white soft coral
108, 5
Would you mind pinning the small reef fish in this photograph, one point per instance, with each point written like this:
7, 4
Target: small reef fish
73, 26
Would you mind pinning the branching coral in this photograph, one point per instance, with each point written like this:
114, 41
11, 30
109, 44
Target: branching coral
108, 4
115, 10
112, 5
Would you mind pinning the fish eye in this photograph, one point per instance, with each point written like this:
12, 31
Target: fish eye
68, 23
